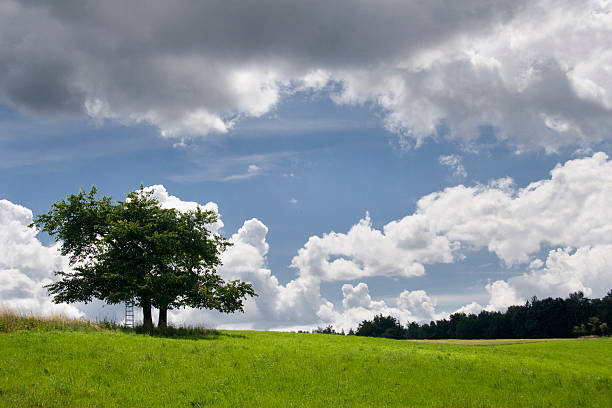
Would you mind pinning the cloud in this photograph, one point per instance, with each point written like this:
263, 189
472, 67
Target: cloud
570, 209
502, 295
569, 215
420, 305
566, 271
356, 296
206, 166
252, 171
357, 305
26, 265
277, 306
364, 251
454, 162
529, 76
169, 201
519, 67
472, 308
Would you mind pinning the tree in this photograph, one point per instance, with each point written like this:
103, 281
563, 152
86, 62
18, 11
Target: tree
137, 250
594, 324
381, 326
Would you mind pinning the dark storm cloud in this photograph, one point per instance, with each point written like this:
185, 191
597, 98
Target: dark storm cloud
55, 52
43, 86
189, 67
341, 33
36, 67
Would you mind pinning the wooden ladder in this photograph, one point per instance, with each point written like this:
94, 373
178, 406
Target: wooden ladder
129, 314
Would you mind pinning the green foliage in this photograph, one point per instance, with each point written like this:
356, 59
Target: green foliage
594, 324
262, 369
580, 330
137, 250
381, 326
545, 318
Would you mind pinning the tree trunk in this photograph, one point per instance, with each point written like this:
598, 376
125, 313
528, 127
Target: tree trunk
163, 318
146, 311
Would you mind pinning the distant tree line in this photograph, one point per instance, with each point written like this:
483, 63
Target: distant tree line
328, 330
537, 318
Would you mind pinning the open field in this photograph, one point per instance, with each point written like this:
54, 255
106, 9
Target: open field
105, 368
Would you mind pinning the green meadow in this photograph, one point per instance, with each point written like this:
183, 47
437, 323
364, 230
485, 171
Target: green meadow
87, 366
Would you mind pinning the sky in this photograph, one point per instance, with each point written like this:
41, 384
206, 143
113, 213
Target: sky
397, 157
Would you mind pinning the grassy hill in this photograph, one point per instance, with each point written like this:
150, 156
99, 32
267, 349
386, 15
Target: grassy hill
92, 367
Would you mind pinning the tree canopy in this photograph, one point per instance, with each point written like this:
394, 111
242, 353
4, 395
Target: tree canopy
137, 250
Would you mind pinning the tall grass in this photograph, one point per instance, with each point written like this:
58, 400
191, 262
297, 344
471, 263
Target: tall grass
11, 320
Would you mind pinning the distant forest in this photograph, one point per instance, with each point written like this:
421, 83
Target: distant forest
538, 318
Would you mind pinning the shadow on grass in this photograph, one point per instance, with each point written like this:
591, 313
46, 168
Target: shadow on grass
170, 332
184, 332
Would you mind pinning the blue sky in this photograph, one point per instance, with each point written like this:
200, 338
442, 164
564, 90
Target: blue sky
307, 131
336, 162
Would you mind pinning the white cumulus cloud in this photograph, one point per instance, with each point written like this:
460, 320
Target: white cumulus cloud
585, 269
569, 214
26, 265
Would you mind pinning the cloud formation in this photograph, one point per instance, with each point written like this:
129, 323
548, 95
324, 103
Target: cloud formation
571, 209
435, 69
455, 163
569, 215
566, 270
169, 201
26, 265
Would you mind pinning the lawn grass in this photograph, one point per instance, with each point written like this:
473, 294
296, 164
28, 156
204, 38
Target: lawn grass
109, 368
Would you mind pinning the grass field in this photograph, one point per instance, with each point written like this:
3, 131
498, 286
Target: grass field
110, 368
